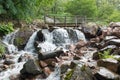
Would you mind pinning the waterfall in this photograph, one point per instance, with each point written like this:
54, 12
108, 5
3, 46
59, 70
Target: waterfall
30, 44
48, 44
8, 40
80, 35
60, 37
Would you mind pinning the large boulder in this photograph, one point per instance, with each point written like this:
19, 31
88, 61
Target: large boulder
91, 30
109, 63
105, 74
79, 73
22, 37
31, 68
113, 42
114, 24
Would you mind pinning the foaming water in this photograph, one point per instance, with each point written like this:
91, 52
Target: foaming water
8, 40
30, 45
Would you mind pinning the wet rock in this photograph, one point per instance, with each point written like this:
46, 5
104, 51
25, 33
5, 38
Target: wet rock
114, 24
80, 44
14, 77
105, 74
8, 62
22, 36
30, 67
64, 68
109, 63
50, 62
113, 42
79, 73
96, 56
43, 64
40, 37
47, 55
47, 71
90, 30
37, 23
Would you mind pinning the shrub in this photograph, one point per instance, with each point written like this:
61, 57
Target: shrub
2, 50
6, 28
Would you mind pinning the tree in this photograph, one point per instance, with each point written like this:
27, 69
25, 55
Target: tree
82, 7
23, 9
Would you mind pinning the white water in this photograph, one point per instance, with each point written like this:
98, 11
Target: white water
8, 40
30, 45
48, 44
80, 35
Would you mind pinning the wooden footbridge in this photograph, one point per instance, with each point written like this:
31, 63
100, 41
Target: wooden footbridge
65, 21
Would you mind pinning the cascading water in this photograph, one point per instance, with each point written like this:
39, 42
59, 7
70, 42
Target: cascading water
80, 35
8, 40
47, 45
60, 37
30, 45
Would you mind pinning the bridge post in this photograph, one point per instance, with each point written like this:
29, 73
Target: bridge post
65, 21
76, 21
45, 19
54, 21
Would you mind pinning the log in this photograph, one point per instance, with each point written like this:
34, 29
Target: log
47, 55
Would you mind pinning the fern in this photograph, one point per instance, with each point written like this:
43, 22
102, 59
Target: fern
106, 54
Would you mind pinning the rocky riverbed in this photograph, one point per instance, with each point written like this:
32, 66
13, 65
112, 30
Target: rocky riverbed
90, 53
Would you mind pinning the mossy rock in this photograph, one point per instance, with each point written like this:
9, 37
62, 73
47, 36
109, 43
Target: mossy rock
79, 73
22, 37
2, 49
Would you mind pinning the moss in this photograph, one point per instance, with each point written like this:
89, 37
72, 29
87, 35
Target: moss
19, 41
69, 75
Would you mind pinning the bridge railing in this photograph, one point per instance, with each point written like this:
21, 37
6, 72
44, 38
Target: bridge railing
65, 19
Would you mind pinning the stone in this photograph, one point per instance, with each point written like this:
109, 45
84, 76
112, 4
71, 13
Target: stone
105, 74
113, 42
80, 44
22, 37
31, 67
8, 62
64, 68
47, 71
50, 54
14, 77
114, 24
109, 63
79, 73
40, 37
91, 30
43, 64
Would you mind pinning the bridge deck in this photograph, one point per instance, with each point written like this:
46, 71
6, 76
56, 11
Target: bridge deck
64, 24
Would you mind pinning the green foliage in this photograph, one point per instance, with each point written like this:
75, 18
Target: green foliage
69, 75
2, 50
6, 28
23, 9
104, 11
82, 7
105, 54
115, 16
